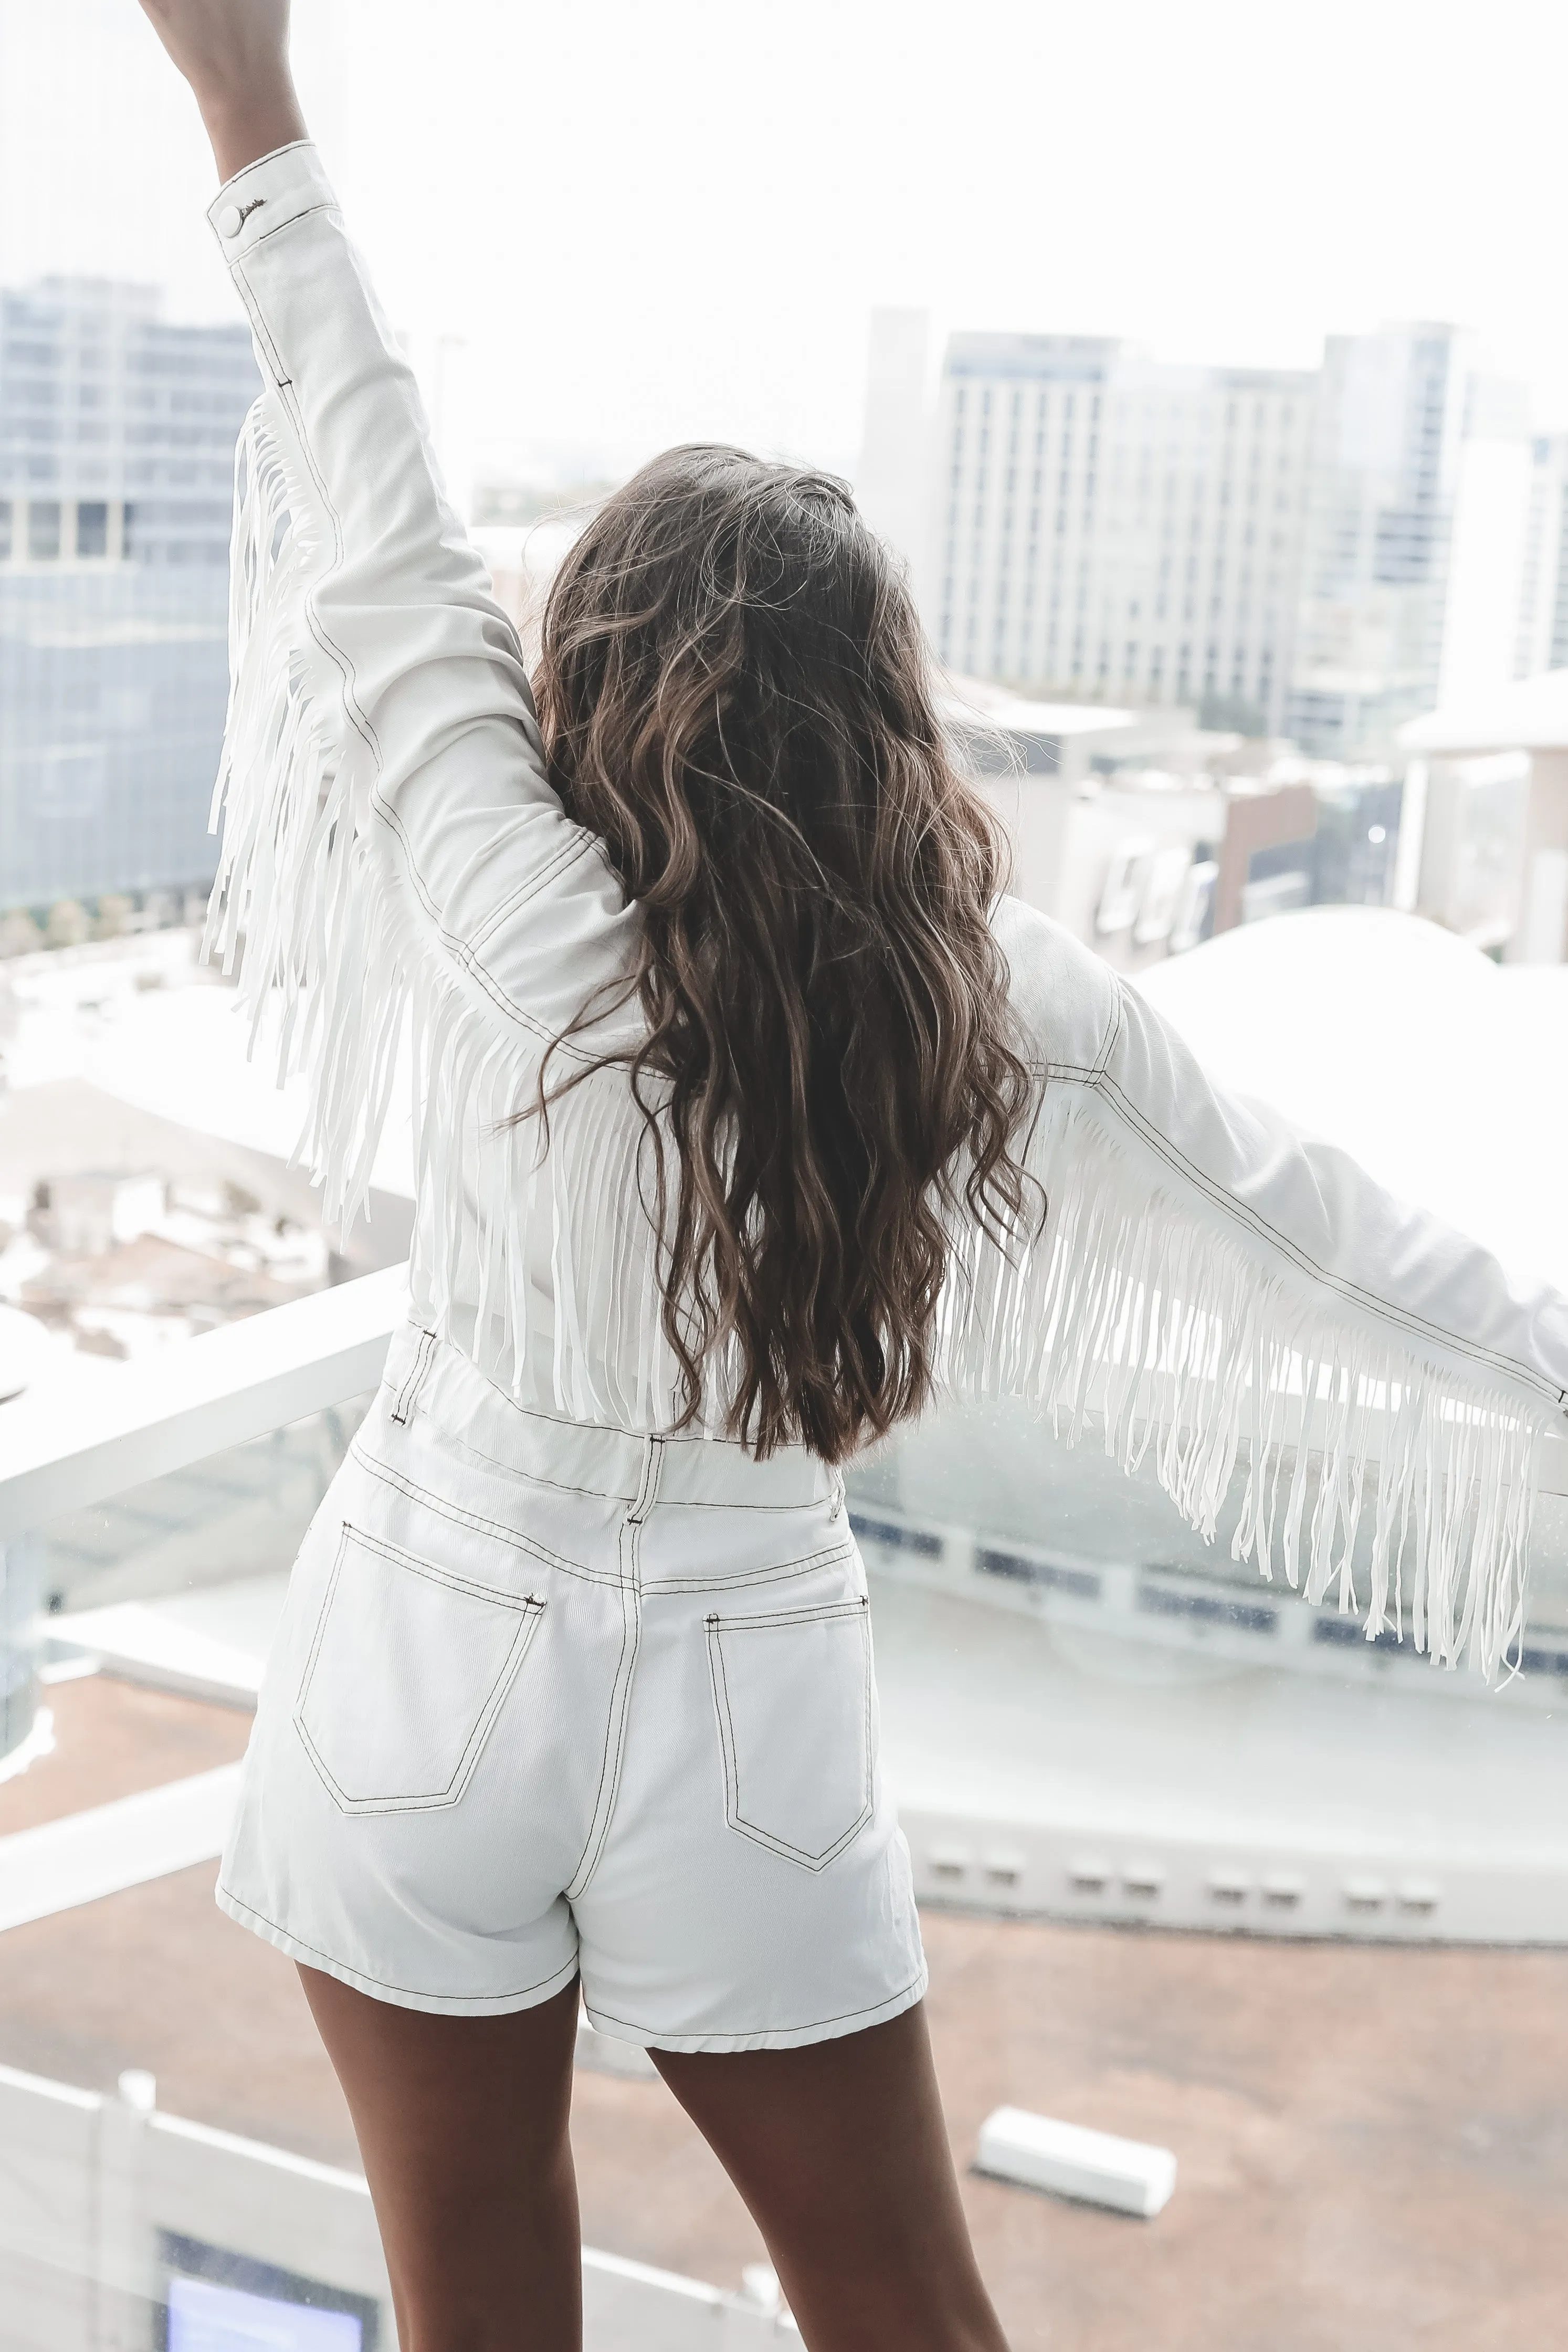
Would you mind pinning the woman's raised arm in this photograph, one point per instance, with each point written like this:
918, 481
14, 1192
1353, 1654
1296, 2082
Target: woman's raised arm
389, 830
234, 55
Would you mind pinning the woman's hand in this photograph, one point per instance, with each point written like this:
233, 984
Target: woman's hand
234, 55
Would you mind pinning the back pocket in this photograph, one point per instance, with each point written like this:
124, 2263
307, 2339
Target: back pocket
405, 1677
793, 1695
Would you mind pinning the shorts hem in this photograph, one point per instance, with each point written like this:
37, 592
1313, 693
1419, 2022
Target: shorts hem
435, 2004
787, 2037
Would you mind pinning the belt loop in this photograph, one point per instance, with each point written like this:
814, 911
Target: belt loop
648, 1485
837, 1477
419, 1371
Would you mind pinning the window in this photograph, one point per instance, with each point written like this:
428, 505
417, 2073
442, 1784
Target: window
44, 529
92, 527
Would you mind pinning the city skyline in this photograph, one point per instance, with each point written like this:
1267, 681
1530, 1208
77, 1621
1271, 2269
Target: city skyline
1215, 191
117, 435
1322, 554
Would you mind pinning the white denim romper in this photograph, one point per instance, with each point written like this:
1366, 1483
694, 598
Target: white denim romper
558, 1688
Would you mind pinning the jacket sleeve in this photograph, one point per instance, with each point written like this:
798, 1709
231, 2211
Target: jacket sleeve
389, 834
1244, 1299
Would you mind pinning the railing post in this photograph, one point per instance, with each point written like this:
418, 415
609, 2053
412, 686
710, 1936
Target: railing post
18, 1643
126, 2286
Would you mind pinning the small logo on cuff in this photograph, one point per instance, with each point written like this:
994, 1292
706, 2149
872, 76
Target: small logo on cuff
233, 217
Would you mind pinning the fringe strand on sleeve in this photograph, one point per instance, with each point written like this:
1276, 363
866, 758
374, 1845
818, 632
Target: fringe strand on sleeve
1139, 1306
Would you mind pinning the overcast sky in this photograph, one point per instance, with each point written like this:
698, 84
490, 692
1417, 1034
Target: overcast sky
658, 221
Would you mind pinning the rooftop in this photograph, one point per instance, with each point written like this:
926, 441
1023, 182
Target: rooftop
1530, 715
1370, 2142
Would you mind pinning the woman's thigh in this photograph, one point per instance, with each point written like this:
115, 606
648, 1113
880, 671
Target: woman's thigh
841, 2151
462, 2125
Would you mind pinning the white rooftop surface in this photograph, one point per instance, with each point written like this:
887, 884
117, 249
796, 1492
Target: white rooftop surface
988, 1713
975, 701
184, 1055
1441, 1071
143, 1025
1531, 715
24, 1350
181, 1050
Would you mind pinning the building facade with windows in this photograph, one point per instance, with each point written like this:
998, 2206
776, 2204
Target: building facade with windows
1391, 419
1318, 553
117, 435
1544, 601
1107, 526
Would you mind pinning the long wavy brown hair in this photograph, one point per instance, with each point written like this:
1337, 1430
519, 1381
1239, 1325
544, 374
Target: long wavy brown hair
735, 695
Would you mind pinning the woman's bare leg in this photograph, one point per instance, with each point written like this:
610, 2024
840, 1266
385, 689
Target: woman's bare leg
841, 2154
462, 2123
839, 2149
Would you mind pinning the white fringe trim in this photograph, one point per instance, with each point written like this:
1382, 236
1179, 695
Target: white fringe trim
1135, 1303
307, 919
296, 914
1146, 1308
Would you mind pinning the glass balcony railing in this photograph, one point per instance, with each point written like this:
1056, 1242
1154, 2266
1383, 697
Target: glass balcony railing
176, 2168
1089, 1712
1094, 1723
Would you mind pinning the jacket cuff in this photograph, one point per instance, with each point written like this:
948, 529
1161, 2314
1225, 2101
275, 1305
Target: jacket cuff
267, 196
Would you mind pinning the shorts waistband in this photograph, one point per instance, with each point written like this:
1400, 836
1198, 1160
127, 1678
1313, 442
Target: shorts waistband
433, 1377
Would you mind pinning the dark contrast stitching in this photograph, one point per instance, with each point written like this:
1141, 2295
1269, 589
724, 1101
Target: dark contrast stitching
306, 212
631, 1542
718, 1448
461, 950
789, 1568
258, 325
466, 2000
334, 651
647, 1493
529, 1609
419, 1371
575, 846
471, 1520
781, 1846
1367, 1301
615, 1716
920, 1978
1115, 1023
530, 1477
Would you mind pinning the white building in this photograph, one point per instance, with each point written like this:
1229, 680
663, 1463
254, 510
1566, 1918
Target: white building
1107, 527
1542, 639
1385, 470
117, 442
1493, 771
1324, 554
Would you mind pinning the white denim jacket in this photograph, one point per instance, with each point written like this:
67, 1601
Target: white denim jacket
393, 853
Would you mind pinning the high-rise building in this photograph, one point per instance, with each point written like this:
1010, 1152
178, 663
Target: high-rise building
1386, 474
1542, 641
1321, 553
1106, 526
117, 435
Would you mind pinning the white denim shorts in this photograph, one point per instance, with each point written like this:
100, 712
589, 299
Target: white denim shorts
549, 1697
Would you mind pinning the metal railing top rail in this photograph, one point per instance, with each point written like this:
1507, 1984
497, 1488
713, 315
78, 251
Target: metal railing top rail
139, 1421
164, 1412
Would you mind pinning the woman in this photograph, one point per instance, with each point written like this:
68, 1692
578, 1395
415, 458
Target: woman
749, 1115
